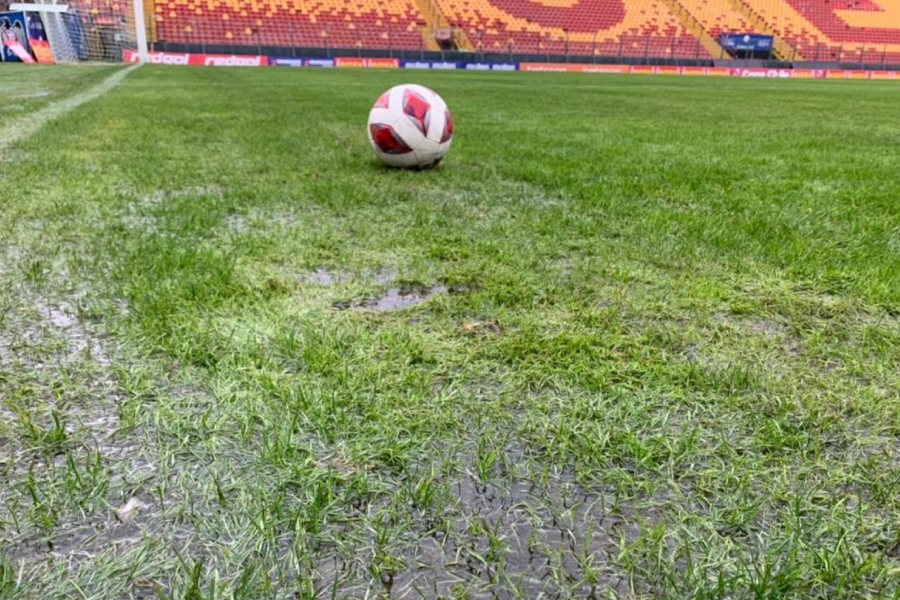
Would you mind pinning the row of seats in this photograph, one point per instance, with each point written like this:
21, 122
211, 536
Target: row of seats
609, 27
824, 30
384, 24
718, 17
834, 30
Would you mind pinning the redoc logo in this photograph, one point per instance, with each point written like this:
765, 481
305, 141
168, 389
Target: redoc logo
163, 58
232, 61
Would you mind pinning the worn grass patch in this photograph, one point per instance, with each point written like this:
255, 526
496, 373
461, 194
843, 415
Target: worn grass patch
635, 338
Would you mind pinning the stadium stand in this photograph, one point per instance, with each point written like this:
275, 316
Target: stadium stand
376, 24
839, 31
718, 17
851, 31
585, 27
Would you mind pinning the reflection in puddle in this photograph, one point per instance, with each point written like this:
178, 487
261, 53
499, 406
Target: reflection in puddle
395, 298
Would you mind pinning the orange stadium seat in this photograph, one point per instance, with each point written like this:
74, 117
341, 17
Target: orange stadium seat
836, 30
607, 27
718, 17
376, 24
852, 31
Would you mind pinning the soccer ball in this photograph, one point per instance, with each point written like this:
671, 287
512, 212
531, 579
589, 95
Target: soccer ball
410, 126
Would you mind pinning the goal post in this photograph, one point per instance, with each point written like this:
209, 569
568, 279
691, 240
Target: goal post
90, 32
140, 28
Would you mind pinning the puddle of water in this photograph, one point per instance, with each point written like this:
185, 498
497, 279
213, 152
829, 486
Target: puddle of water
395, 299
382, 276
326, 277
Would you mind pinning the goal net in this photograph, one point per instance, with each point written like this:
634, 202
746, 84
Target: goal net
85, 30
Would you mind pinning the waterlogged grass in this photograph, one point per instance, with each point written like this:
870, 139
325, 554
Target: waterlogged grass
646, 342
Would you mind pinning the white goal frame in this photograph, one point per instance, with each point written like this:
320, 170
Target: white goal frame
140, 24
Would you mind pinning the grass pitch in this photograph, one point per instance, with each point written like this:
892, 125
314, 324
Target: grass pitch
637, 337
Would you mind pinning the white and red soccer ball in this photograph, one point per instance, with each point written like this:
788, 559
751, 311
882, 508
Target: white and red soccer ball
410, 126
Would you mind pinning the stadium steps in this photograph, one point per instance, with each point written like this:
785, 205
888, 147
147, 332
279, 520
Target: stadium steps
150, 20
695, 27
436, 19
781, 49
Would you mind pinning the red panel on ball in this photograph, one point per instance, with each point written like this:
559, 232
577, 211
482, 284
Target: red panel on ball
383, 101
448, 127
418, 109
387, 140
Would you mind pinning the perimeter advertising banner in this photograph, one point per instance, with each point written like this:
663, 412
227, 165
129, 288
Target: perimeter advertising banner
197, 60
277, 61
230, 60
14, 38
444, 65
367, 63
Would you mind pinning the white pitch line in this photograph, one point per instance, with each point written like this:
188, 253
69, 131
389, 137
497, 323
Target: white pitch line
26, 126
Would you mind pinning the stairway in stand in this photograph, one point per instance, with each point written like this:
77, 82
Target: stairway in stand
695, 27
436, 20
781, 49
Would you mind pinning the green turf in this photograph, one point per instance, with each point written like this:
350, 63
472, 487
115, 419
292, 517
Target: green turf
660, 362
26, 88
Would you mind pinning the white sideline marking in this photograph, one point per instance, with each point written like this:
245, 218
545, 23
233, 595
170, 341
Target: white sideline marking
26, 126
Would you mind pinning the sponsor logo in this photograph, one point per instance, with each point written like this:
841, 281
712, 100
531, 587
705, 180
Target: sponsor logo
606, 69
325, 63
503, 67
478, 67
232, 61
550, 68
162, 58
349, 62
448, 66
416, 65
287, 62
748, 72
373, 63
382, 63
772, 73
